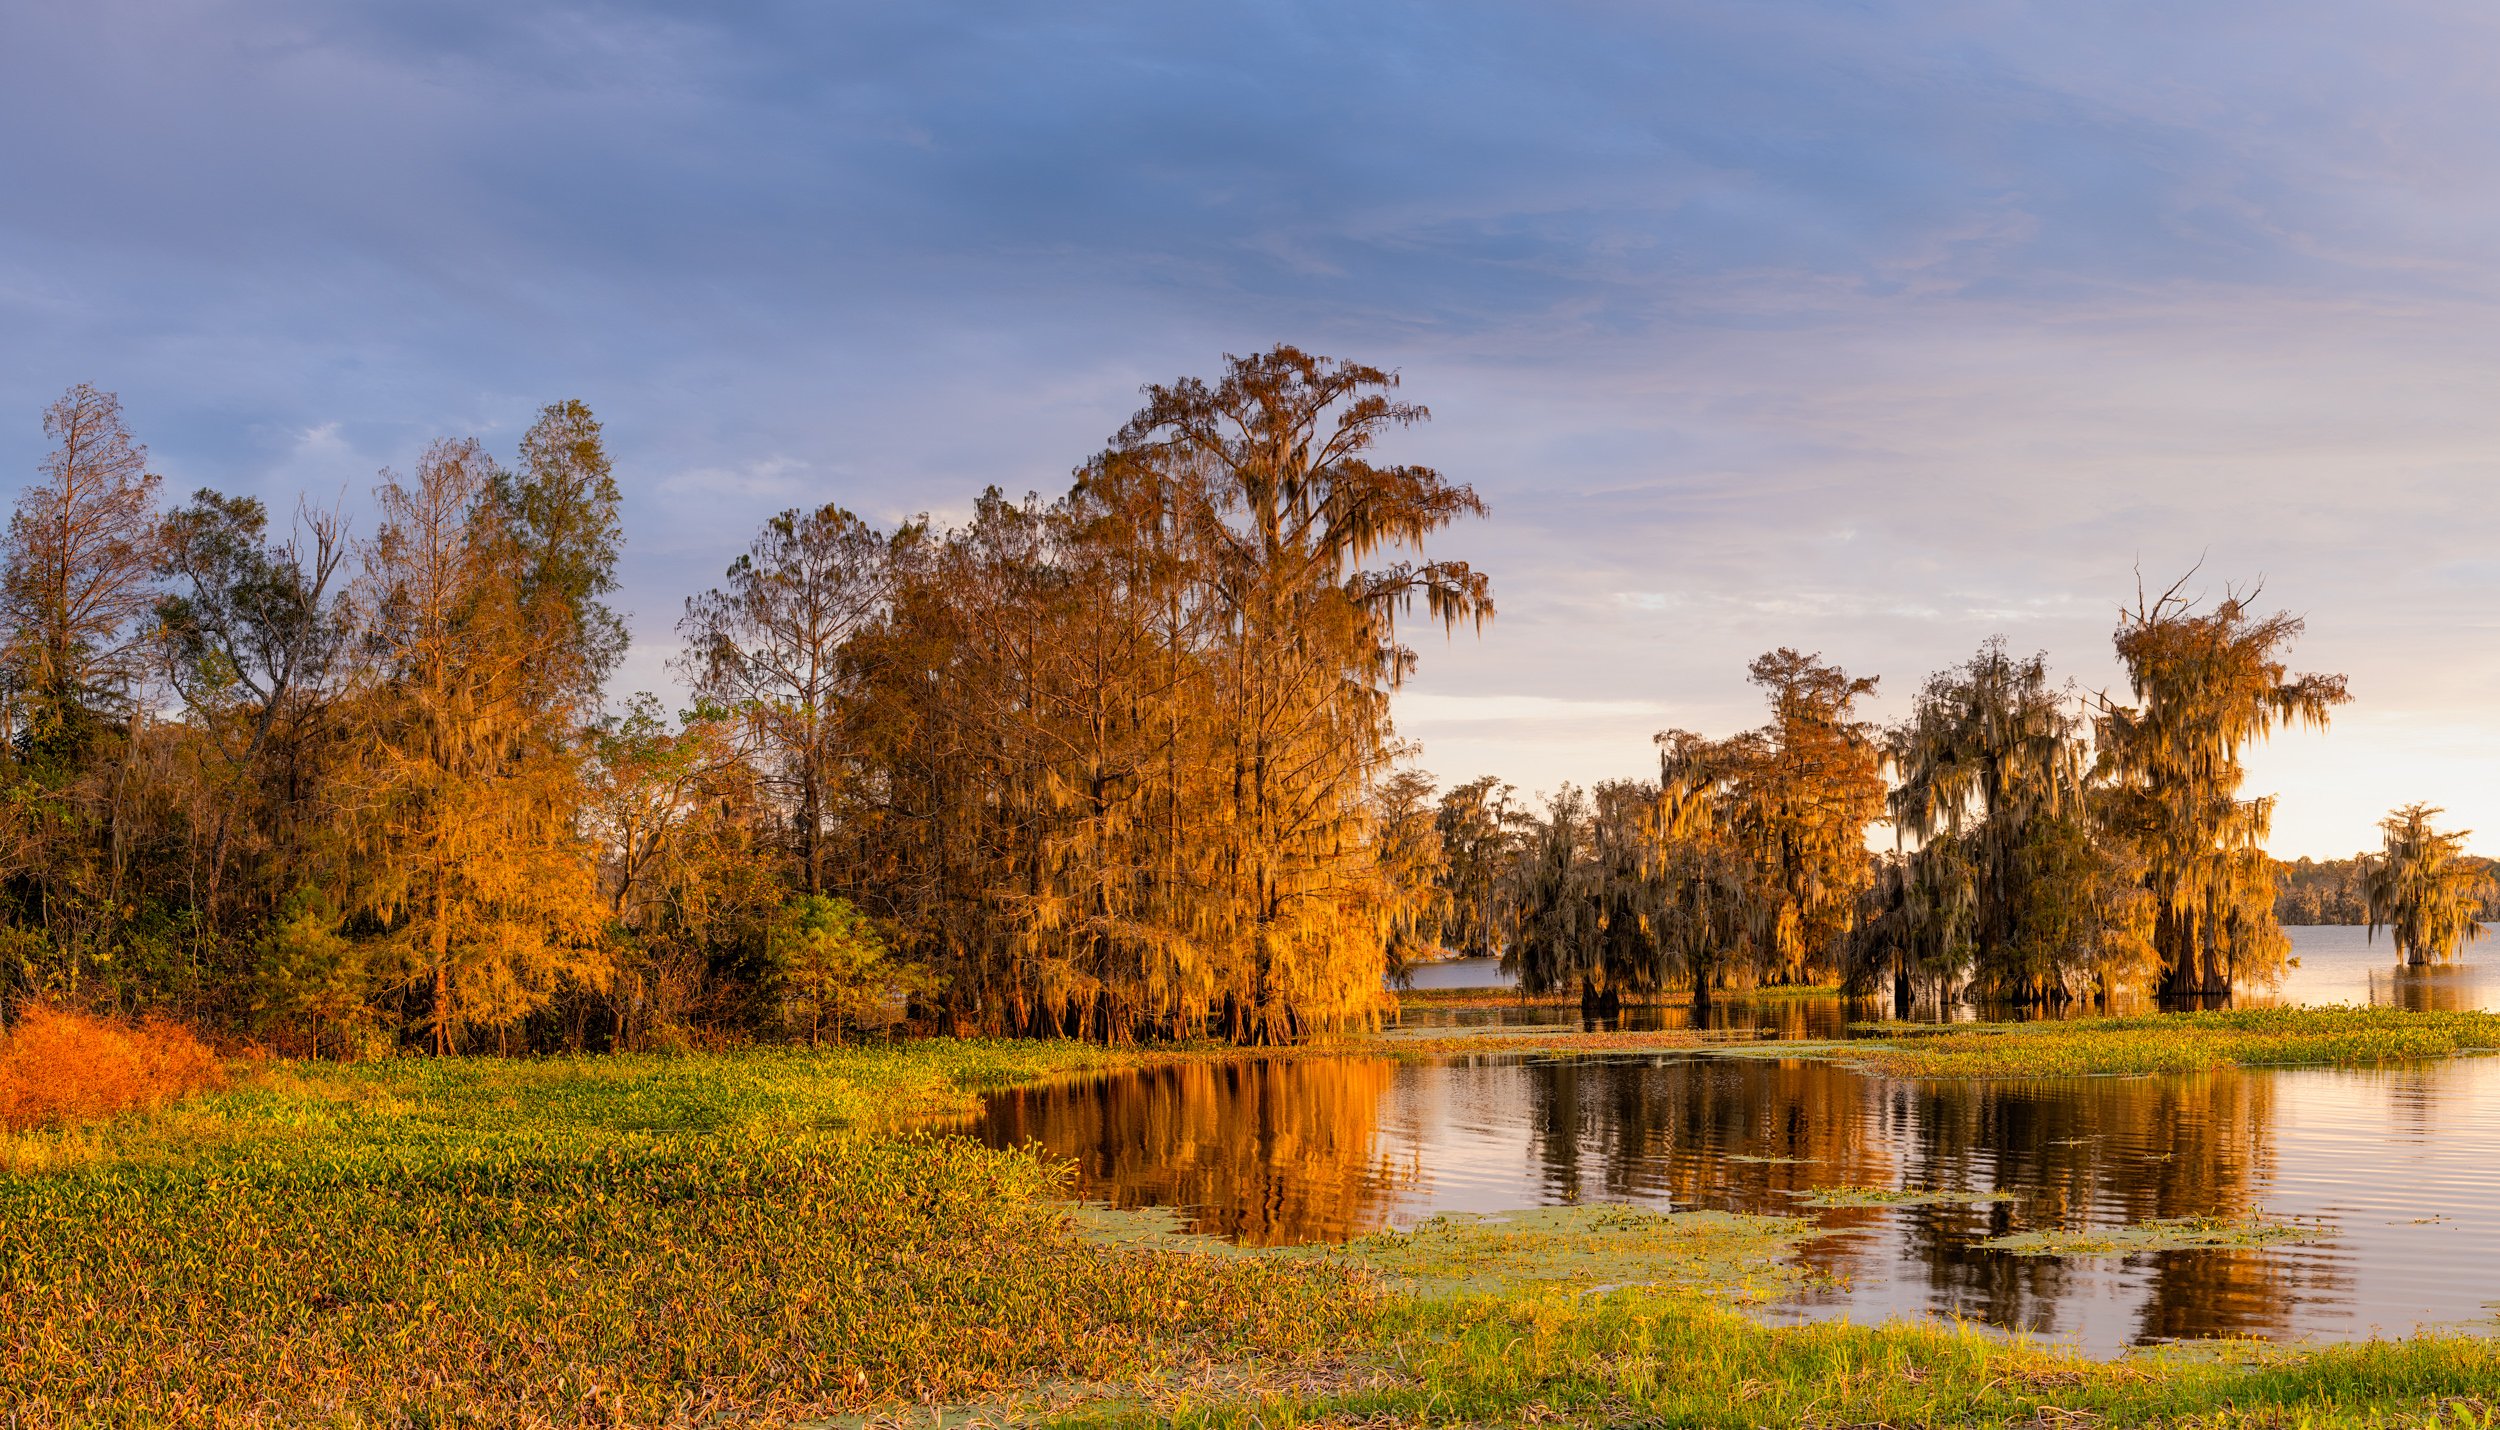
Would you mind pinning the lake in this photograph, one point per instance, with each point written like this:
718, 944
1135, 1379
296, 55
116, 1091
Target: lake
2398, 1168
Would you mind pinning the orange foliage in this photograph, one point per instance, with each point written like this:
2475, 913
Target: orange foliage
58, 1066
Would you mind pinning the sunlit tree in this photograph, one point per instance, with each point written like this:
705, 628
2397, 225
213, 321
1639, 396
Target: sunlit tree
470, 850
768, 646
2424, 888
2207, 684
1794, 799
77, 576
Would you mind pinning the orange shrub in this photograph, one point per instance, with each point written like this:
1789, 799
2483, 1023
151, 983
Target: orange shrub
57, 1066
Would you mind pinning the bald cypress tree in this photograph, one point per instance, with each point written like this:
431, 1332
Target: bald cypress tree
2424, 888
2207, 683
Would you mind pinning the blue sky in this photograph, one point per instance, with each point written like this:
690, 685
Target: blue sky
1867, 328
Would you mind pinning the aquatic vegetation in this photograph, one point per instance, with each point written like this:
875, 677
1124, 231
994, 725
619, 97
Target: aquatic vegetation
1599, 1246
2170, 1042
2163, 1234
1828, 1197
619, 1241
1544, 1041
1719, 1254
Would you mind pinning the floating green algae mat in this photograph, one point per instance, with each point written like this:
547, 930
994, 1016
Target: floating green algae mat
2152, 1043
1829, 1197
2168, 1234
1719, 1254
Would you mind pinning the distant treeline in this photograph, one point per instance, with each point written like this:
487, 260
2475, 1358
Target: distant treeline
1106, 765
2337, 891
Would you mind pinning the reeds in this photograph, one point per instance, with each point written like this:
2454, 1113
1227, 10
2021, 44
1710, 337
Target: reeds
58, 1067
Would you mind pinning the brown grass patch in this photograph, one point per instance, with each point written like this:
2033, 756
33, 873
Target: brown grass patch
60, 1067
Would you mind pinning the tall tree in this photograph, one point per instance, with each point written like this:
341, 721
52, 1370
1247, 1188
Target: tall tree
673, 815
1479, 828
77, 572
1555, 904
1992, 785
77, 576
255, 646
560, 512
2207, 683
769, 647
1288, 508
1407, 839
1795, 797
473, 856
2424, 888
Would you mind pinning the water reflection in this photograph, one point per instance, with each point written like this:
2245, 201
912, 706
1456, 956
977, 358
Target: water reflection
1263, 1153
1322, 1149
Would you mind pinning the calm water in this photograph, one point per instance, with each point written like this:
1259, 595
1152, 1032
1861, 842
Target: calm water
2402, 1165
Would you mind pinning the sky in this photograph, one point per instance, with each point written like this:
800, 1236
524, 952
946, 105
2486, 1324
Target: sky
1873, 329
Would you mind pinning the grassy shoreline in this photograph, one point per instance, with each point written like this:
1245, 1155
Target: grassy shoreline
764, 1237
2157, 1043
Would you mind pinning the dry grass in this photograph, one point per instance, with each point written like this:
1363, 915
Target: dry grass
59, 1067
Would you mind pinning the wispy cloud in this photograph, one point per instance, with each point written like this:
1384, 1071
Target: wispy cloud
1871, 329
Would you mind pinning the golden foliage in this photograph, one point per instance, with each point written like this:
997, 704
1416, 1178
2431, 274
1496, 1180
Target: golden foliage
470, 853
2424, 888
2208, 683
57, 1066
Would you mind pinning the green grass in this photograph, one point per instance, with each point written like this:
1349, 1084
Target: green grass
629, 1241
1721, 1255
760, 1238
2168, 1042
1638, 1358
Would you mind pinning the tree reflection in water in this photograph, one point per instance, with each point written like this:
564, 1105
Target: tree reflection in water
1323, 1148
1265, 1153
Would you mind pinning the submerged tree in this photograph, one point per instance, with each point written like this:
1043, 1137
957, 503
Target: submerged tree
2013, 881
2424, 888
1479, 830
1794, 799
2207, 683
1989, 748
